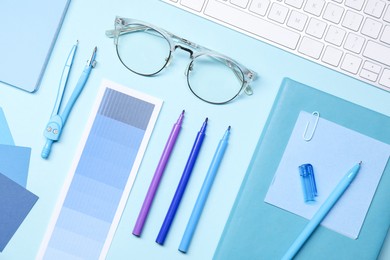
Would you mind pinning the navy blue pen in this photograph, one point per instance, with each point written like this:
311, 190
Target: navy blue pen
182, 185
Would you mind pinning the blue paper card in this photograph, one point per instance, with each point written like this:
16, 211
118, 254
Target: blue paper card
5, 133
14, 162
15, 203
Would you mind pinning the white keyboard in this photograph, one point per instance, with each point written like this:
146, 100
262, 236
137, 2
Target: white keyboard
349, 36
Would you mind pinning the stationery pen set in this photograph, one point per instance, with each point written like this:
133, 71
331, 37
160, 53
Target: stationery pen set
58, 119
203, 193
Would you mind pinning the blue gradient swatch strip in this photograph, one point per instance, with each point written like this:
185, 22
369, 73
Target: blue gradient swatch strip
100, 177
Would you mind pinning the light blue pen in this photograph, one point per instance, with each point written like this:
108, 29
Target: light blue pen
57, 121
204, 192
322, 212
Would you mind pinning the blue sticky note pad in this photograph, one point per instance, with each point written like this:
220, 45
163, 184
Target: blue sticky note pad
15, 203
5, 133
14, 162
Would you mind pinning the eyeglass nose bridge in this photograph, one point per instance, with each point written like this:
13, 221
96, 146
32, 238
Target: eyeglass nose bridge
191, 52
169, 59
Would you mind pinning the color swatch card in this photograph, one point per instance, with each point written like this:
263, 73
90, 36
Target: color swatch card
15, 162
104, 169
332, 151
15, 203
5, 133
15, 200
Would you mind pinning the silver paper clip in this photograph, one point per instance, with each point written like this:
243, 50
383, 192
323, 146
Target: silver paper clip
307, 137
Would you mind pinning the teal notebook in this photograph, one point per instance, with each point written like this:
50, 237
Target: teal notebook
258, 230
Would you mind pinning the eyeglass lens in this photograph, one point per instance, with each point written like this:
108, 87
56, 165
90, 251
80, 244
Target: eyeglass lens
144, 52
211, 79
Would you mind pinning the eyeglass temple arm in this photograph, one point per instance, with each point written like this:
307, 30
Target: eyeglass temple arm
115, 32
248, 89
187, 42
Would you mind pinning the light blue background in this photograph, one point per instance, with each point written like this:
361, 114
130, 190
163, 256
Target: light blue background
86, 21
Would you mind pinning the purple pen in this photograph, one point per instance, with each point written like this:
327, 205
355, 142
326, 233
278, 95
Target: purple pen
157, 176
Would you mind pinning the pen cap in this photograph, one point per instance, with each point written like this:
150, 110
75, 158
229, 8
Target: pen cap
308, 182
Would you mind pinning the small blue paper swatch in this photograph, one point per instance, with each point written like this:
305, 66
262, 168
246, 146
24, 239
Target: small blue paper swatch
15, 162
5, 133
15, 203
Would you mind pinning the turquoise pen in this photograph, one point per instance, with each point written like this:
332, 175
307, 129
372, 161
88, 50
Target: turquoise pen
204, 192
322, 212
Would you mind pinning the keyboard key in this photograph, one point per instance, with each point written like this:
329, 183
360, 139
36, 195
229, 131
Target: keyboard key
195, 5
371, 28
252, 24
352, 20
385, 79
371, 76
314, 7
297, 20
259, 7
372, 67
377, 52
294, 3
332, 56
355, 4
240, 3
278, 13
316, 28
354, 43
335, 35
311, 48
375, 8
351, 63
333, 13
386, 17
386, 35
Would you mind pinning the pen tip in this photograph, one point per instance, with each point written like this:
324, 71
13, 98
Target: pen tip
229, 128
360, 163
207, 119
183, 112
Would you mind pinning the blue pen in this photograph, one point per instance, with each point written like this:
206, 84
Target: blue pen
57, 121
322, 212
204, 192
182, 185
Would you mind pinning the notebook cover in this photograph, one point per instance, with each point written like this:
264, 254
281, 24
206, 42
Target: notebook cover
257, 230
29, 30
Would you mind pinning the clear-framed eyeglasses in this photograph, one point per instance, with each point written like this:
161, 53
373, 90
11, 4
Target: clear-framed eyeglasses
146, 50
